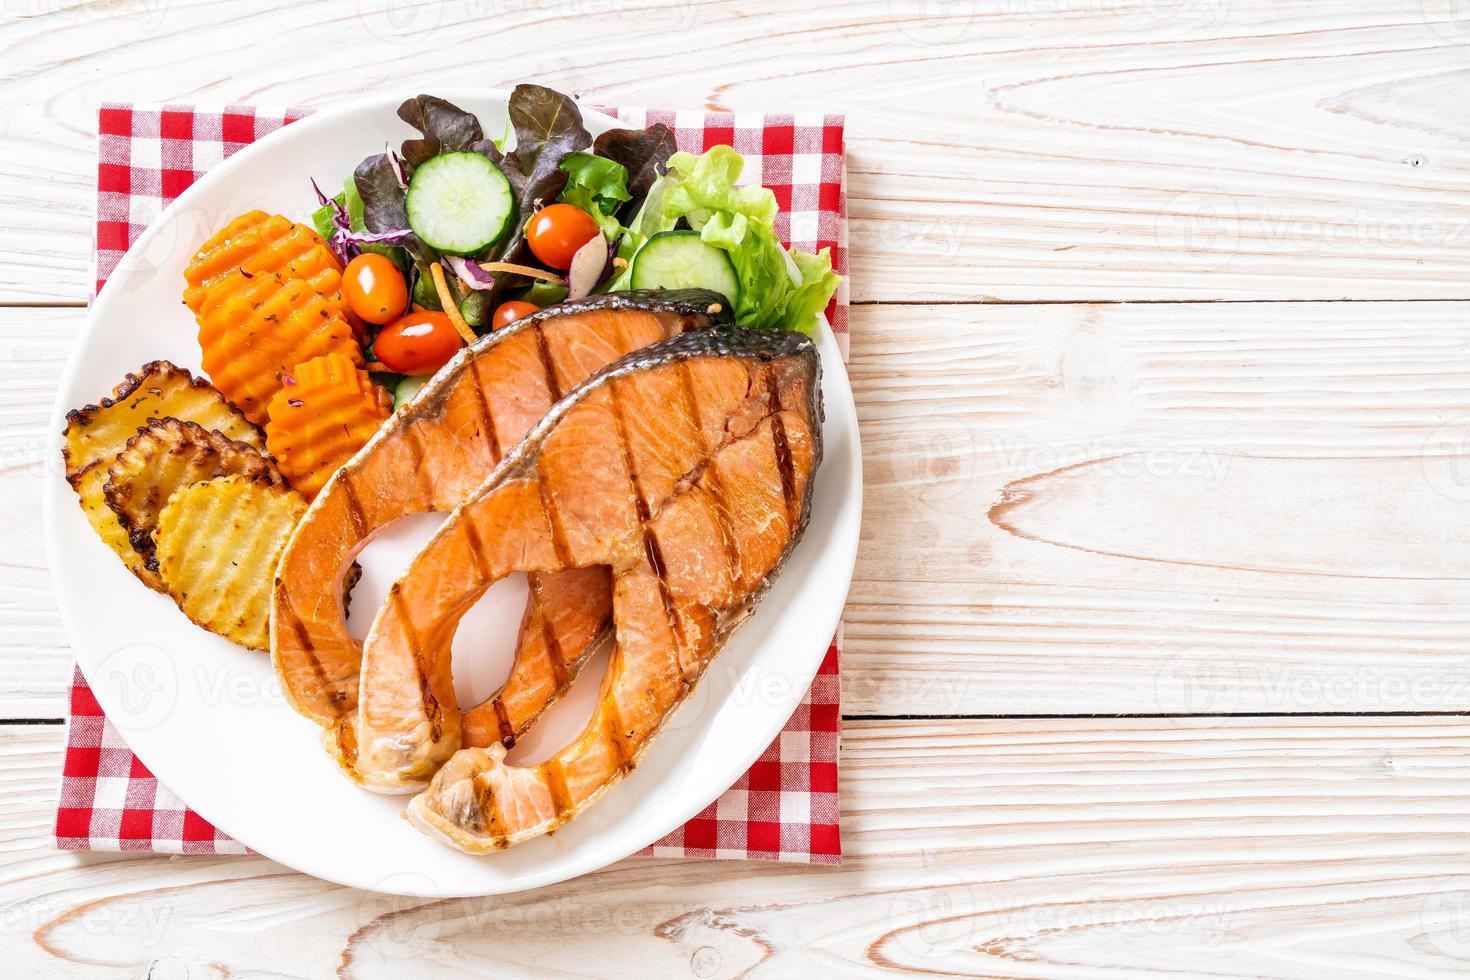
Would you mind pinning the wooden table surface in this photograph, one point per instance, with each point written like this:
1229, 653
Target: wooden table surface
1157, 645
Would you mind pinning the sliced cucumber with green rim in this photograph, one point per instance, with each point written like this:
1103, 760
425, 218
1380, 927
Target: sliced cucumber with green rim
682, 260
407, 387
459, 203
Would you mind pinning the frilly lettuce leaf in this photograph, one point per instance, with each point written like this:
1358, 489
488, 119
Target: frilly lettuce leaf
778, 287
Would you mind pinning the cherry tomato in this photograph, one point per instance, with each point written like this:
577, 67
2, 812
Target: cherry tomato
375, 288
507, 313
557, 231
419, 343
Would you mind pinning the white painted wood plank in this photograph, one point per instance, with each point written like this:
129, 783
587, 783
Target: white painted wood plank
1076, 509
1162, 509
1196, 149
1256, 847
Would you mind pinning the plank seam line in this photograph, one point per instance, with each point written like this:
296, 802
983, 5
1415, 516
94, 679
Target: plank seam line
1162, 716
1043, 717
1142, 302
82, 304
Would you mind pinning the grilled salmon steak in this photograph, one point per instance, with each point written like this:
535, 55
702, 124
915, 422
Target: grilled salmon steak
428, 457
685, 470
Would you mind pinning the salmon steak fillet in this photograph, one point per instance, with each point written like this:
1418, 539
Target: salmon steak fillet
686, 471
429, 456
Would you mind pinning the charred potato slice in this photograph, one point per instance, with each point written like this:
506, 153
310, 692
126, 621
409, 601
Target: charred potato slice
158, 390
218, 543
89, 485
164, 456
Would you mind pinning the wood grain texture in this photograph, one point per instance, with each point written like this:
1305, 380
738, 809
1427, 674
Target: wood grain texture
1260, 847
1162, 509
999, 149
1078, 509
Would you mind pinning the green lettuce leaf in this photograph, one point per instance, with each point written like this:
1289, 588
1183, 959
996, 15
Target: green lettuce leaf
598, 186
779, 288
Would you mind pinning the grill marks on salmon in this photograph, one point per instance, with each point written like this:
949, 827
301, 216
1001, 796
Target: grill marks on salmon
429, 457
686, 472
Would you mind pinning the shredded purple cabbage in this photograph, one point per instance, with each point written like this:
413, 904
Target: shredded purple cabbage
471, 273
344, 251
395, 236
347, 244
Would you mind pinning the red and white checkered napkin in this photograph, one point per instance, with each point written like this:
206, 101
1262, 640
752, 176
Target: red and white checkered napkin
785, 807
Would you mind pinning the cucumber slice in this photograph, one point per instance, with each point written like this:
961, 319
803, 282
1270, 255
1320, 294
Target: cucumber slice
682, 260
459, 203
407, 387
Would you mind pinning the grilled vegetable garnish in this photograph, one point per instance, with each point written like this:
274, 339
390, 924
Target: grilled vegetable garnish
89, 485
325, 412
165, 456
260, 242
256, 328
218, 543
158, 390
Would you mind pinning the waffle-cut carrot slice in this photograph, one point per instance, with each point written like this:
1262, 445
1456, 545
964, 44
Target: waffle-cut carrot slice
259, 242
326, 411
255, 328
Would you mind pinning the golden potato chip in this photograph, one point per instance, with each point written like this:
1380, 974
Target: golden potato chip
164, 456
89, 484
158, 390
218, 543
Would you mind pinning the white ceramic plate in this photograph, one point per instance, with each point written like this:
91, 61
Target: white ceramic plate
208, 717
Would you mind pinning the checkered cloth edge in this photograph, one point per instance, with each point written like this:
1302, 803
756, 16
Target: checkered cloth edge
785, 807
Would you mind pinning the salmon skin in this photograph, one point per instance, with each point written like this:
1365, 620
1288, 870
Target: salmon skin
687, 471
429, 457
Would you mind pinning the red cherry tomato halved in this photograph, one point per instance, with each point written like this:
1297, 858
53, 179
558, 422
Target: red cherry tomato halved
374, 288
419, 343
557, 231
507, 313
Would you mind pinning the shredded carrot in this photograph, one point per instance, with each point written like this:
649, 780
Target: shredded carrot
521, 270
451, 308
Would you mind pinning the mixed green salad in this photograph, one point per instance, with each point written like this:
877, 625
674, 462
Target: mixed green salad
485, 229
